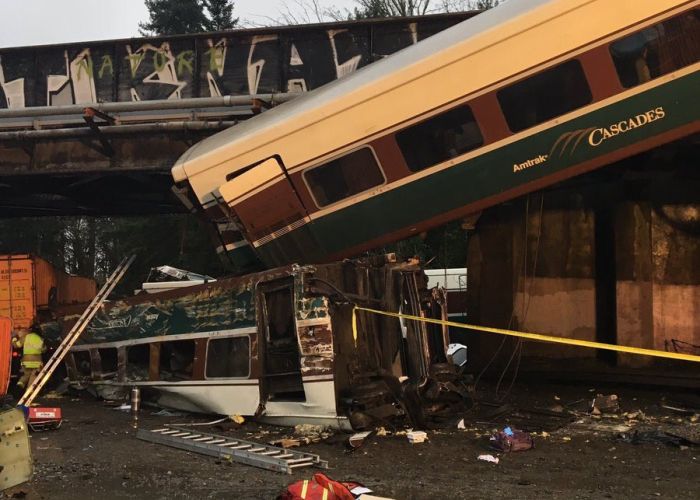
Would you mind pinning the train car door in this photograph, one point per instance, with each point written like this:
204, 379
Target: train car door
271, 212
280, 353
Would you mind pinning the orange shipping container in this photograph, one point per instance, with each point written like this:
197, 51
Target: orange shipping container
29, 285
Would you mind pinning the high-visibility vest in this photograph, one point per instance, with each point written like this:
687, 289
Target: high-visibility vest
31, 352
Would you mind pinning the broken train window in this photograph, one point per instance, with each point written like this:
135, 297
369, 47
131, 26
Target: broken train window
228, 357
176, 360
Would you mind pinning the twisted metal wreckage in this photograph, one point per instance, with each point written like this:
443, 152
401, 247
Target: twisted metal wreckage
279, 345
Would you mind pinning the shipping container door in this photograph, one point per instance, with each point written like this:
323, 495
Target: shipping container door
17, 290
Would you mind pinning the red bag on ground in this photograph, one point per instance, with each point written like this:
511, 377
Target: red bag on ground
514, 440
320, 487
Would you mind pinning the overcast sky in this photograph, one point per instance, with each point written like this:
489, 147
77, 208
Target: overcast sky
37, 22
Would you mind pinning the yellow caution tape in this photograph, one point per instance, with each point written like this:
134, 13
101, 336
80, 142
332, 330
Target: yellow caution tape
530, 336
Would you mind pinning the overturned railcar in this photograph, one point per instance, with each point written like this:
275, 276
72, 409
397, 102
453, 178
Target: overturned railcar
278, 345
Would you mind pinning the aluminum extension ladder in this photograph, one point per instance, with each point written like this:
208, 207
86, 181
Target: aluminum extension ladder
33, 390
228, 448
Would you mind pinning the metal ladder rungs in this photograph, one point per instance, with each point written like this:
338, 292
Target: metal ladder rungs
72, 336
237, 450
305, 464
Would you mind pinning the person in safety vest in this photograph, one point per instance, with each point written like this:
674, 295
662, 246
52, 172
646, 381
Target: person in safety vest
32, 346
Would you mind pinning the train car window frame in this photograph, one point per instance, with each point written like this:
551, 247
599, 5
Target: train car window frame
206, 362
407, 138
638, 56
520, 118
338, 157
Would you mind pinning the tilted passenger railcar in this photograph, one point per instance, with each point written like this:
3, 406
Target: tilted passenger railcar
278, 345
510, 101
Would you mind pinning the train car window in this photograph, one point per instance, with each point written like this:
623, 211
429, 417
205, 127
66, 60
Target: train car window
439, 138
544, 96
344, 177
176, 360
228, 357
658, 49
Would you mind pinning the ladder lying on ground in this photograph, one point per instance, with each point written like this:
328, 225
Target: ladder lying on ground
45, 373
228, 448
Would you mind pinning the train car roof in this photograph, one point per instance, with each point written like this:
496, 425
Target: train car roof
508, 11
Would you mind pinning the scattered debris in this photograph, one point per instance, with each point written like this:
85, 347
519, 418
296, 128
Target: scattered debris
678, 409
357, 440
167, 413
303, 434
653, 436
415, 437
460, 425
488, 458
605, 404
510, 439
588, 426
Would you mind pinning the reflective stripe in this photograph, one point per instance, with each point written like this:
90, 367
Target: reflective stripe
325, 494
33, 344
31, 364
304, 487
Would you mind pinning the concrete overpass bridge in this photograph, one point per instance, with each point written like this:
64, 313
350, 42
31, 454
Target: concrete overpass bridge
93, 128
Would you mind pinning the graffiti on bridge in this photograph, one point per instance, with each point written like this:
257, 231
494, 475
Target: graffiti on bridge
199, 66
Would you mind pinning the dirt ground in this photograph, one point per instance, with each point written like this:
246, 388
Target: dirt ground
95, 455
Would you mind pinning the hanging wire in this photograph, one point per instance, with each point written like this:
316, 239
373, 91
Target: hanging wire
523, 268
527, 297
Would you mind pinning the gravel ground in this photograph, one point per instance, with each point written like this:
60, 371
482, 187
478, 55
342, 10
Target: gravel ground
95, 455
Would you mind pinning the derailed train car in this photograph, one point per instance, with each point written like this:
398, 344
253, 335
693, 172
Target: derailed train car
279, 345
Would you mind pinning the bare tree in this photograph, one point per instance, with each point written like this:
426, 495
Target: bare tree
298, 12
466, 5
389, 8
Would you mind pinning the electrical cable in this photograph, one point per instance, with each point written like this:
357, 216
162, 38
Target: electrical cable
526, 309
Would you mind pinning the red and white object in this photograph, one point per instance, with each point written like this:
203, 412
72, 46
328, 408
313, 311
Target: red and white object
43, 419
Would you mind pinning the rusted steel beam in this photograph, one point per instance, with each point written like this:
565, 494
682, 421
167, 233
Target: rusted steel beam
154, 361
91, 113
76, 133
105, 147
155, 105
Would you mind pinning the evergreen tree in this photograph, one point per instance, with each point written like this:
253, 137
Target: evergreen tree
220, 14
173, 17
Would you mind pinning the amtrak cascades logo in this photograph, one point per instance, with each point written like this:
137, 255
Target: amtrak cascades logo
568, 142
517, 167
599, 135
